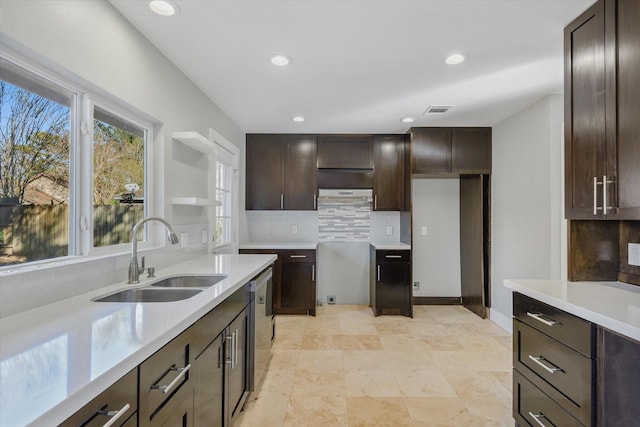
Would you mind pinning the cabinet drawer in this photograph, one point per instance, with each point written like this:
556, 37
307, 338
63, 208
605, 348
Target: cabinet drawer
532, 407
121, 398
572, 331
163, 374
384, 256
302, 255
568, 372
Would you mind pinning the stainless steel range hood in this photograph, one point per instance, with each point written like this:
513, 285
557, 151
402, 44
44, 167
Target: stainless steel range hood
342, 195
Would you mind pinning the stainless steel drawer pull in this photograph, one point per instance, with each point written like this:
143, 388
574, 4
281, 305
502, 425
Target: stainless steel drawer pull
313, 273
539, 318
393, 256
536, 418
378, 272
297, 256
167, 388
551, 370
115, 415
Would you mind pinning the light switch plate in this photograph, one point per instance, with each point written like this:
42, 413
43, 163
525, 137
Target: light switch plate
423, 230
634, 254
184, 240
204, 237
294, 229
389, 230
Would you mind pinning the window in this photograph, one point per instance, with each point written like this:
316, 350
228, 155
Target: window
224, 187
66, 188
225, 218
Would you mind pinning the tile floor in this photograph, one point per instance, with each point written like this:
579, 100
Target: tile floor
344, 367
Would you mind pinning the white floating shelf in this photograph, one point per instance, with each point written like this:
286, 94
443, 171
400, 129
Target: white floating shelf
194, 140
193, 201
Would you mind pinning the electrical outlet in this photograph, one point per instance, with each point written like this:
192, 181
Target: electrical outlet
423, 230
389, 230
204, 237
331, 299
416, 286
294, 229
184, 240
634, 254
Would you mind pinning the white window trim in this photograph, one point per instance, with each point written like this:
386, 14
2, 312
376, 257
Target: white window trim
84, 96
230, 154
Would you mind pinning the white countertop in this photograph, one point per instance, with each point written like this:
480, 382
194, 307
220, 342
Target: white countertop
613, 305
278, 245
391, 246
56, 358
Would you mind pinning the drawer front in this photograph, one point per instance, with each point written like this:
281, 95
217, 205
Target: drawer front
568, 372
384, 256
302, 255
572, 331
532, 407
120, 400
163, 374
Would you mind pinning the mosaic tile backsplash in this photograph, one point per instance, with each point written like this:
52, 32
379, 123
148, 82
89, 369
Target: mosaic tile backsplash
344, 219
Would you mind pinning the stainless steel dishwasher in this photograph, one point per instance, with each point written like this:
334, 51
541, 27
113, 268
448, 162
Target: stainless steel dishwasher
264, 327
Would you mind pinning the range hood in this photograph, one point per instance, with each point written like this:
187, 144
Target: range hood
345, 178
339, 195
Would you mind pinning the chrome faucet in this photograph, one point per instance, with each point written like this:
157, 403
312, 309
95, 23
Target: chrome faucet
134, 269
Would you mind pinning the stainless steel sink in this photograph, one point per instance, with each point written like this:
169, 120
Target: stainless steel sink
189, 281
149, 295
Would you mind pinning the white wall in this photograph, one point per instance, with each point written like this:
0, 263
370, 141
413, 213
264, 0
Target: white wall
89, 42
436, 256
526, 200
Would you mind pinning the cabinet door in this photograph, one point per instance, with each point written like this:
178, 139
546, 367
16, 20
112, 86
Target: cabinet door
298, 287
265, 172
585, 113
300, 173
431, 151
237, 360
388, 181
208, 393
471, 150
178, 413
627, 100
393, 288
345, 152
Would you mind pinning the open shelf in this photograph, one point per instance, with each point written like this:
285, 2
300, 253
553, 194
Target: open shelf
193, 201
194, 140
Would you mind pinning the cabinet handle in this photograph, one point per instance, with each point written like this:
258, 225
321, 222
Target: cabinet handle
228, 351
378, 272
235, 349
393, 256
539, 360
605, 199
375, 202
536, 418
313, 273
315, 202
595, 195
167, 388
281, 201
115, 415
538, 317
297, 256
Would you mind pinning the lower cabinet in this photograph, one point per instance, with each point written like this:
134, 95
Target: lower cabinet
390, 282
294, 280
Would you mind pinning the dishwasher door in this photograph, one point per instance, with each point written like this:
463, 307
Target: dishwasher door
264, 328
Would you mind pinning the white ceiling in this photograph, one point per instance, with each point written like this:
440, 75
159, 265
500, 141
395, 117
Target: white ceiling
360, 66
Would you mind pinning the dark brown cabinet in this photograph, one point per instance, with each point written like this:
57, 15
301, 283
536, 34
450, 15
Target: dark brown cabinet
345, 152
602, 105
445, 151
389, 179
117, 404
294, 280
281, 172
390, 282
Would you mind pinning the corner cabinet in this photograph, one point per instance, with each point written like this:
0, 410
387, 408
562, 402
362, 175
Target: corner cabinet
281, 172
445, 151
390, 282
602, 106
388, 177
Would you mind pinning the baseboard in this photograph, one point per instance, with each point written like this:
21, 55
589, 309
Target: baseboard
436, 300
501, 320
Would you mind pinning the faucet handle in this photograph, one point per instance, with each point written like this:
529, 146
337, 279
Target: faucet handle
142, 264
151, 272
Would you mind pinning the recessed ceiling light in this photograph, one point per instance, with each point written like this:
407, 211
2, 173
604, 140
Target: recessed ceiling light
454, 59
280, 60
163, 7
407, 120
298, 119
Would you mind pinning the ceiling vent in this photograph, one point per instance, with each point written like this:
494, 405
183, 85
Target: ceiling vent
433, 109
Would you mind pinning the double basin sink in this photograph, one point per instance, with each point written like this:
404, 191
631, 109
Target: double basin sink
166, 290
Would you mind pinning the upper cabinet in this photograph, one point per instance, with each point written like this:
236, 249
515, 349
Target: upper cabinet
389, 180
281, 172
445, 151
345, 152
602, 106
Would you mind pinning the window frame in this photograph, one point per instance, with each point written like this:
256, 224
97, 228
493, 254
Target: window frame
83, 97
229, 154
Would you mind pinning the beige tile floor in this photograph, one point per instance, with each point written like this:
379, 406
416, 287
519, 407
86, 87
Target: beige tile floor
344, 367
